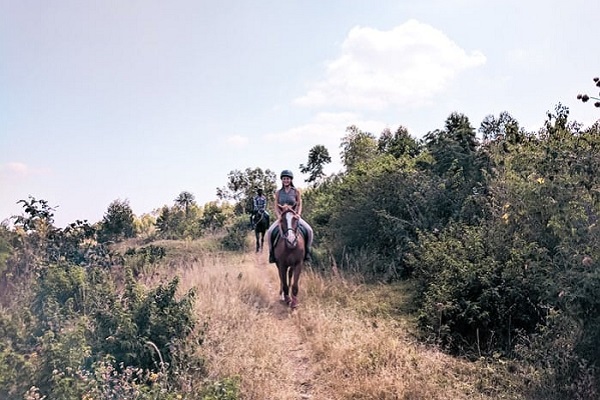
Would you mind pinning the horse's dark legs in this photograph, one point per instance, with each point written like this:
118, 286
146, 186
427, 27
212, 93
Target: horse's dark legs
257, 234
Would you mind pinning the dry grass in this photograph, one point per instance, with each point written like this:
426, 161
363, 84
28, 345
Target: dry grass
346, 341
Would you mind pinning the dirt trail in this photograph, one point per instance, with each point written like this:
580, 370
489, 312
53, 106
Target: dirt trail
297, 358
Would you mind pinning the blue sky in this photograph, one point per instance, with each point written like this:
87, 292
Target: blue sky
140, 100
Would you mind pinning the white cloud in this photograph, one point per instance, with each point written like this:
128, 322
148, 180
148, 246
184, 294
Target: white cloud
409, 64
237, 140
17, 168
326, 127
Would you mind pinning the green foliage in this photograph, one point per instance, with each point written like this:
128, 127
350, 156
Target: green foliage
77, 318
169, 223
17, 355
225, 389
477, 296
60, 293
498, 235
357, 147
399, 144
117, 223
236, 236
143, 260
38, 214
242, 186
6, 249
126, 327
185, 200
318, 156
215, 217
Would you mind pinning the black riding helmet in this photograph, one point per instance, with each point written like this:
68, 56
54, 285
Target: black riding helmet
259, 190
288, 173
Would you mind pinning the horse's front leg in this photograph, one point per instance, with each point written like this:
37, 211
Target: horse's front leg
295, 282
284, 288
256, 234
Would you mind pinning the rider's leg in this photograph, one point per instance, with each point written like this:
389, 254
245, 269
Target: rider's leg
268, 238
309, 239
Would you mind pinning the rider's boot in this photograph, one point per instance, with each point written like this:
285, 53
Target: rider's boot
271, 255
307, 254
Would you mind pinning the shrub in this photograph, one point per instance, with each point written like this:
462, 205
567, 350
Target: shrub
236, 235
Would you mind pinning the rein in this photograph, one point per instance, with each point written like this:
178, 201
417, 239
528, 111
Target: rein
262, 216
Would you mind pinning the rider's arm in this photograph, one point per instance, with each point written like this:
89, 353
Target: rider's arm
277, 205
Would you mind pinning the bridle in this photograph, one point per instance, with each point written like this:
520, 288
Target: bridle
290, 234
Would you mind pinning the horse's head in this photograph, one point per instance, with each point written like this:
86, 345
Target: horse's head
288, 223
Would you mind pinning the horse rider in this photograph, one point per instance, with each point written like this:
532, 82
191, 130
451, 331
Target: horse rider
259, 206
289, 194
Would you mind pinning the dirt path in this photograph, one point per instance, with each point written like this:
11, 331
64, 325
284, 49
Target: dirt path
297, 359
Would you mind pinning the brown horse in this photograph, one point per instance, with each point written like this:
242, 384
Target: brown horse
260, 220
289, 255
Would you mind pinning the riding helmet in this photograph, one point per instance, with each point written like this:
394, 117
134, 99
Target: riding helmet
288, 173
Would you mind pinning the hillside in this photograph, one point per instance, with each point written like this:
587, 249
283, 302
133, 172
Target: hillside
345, 341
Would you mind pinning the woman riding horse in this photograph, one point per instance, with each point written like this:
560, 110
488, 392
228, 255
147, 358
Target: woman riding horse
289, 195
289, 252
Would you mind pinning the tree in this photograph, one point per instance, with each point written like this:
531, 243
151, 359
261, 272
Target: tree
38, 213
584, 97
397, 144
185, 200
214, 216
505, 127
357, 146
118, 222
318, 156
242, 186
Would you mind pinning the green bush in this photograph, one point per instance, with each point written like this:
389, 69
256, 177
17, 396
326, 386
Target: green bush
236, 236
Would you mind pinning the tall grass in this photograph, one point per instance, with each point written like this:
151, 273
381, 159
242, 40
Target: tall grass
347, 340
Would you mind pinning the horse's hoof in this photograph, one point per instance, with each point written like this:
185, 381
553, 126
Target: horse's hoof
294, 303
287, 300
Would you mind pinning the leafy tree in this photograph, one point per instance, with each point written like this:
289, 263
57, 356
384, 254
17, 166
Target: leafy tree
117, 223
145, 225
242, 186
318, 156
398, 144
39, 214
169, 222
185, 200
6, 249
584, 97
505, 127
214, 216
357, 146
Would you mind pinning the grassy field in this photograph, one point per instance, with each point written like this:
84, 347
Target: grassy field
347, 340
